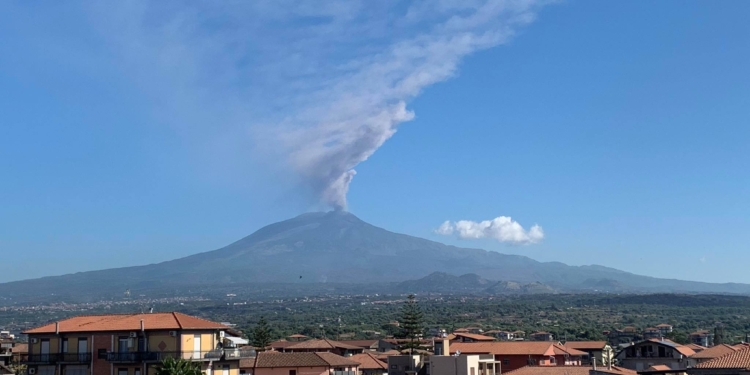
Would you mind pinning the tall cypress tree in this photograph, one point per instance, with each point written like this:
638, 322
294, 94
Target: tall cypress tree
261, 335
412, 320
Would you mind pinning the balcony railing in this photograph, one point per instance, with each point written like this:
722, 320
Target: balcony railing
212, 355
53, 358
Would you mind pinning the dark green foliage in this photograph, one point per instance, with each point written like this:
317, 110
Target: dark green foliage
261, 335
412, 323
171, 366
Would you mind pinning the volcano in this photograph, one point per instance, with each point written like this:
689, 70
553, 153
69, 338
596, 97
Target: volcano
338, 248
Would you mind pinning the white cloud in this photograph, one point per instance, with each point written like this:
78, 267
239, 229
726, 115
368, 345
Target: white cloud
501, 228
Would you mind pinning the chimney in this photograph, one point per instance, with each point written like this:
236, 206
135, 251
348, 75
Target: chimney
143, 326
594, 362
57, 328
446, 346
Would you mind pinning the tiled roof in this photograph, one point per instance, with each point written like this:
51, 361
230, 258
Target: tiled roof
659, 368
20, 348
586, 345
475, 336
511, 348
247, 363
696, 347
368, 361
323, 344
714, 352
663, 325
275, 359
129, 322
298, 336
561, 350
568, 370
739, 359
360, 343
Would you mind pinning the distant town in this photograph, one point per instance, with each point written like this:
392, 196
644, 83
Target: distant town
378, 335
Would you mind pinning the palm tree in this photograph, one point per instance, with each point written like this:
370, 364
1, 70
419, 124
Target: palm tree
171, 366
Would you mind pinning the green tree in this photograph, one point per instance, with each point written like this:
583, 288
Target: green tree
261, 335
412, 321
171, 366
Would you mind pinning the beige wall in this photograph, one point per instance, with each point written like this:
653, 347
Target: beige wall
156, 338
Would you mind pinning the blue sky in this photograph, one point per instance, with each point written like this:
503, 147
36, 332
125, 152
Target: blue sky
134, 134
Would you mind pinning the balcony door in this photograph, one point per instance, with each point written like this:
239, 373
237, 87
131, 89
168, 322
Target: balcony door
83, 349
197, 347
44, 350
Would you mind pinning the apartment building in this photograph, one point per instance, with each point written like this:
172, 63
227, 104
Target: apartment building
647, 353
512, 355
130, 344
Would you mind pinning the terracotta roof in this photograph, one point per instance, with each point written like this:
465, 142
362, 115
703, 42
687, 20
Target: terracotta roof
384, 355
560, 350
298, 336
739, 359
696, 347
475, 336
247, 363
129, 322
663, 325
368, 361
586, 345
568, 370
323, 344
365, 344
714, 352
512, 348
20, 348
659, 368
275, 359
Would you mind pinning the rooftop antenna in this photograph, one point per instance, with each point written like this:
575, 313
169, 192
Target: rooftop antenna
151, 310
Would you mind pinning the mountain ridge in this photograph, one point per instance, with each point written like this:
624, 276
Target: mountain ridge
338, 247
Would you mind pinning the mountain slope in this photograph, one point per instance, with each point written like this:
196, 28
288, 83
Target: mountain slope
338, 247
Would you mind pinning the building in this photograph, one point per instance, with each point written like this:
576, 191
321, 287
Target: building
542, 336
702, 338
570, 370
713, 352
622, 336
470, 337
370, 364
380, 346
129, 344
473, 364
323, 345
662, 370
735, 363
404, 364
501, 335
664, 328
644, 354
593, 350
6, 351
652, 333
511, 355
307, 363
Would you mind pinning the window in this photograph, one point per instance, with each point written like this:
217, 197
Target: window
472, 371
292, 372
122, 345
506, 362
65, 345
46, 370
137, 371
225, 370
122, 371
76, 370
394, 367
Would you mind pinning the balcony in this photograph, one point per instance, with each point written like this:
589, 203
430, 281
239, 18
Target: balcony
53, 358
196, 356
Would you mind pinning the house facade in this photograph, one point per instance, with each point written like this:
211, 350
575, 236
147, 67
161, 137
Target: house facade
304, 363
511, 355
129, 344
644, 354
